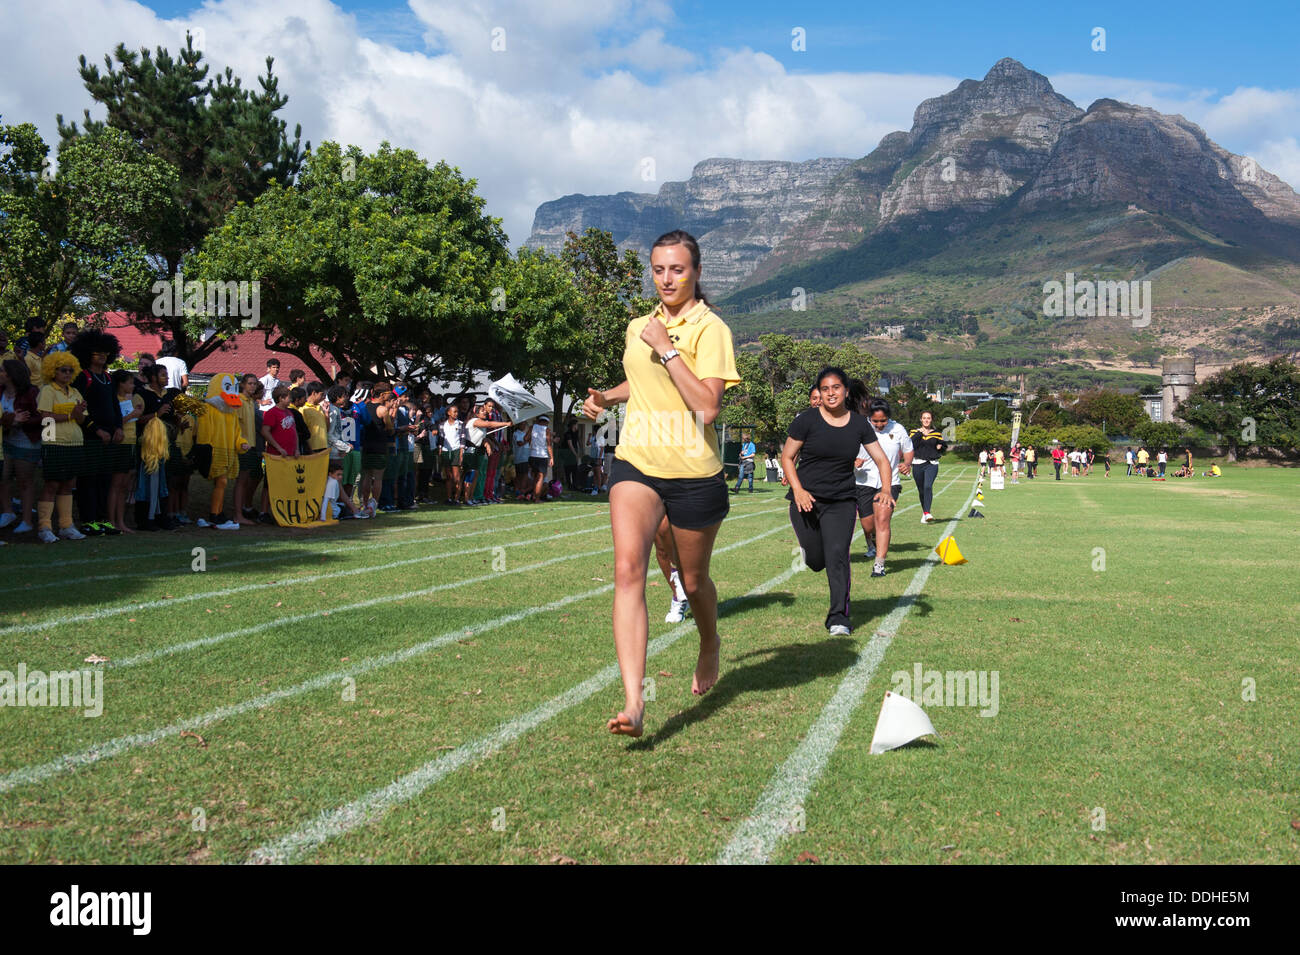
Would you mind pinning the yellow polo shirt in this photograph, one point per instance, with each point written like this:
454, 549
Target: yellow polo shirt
33, 364
317, 425
660, 437
54, 399
247, 415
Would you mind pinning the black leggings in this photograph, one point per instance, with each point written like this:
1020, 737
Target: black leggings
924, 475
825, 534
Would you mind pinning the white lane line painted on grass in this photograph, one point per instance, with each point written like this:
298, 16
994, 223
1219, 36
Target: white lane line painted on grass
229, 542
71, 762
50, 624
757, 837
185, 557
372, 806
151, 655
375, 804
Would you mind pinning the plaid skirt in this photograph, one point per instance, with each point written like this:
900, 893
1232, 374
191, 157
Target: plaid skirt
63, 462
178, 467
118, 458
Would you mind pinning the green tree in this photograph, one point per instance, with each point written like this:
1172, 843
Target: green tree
995, 409
1120, 413
386, 262
71, 241
610, 287
1081, 436
1144, 355
979, 433
1033, 434
1158, 434
567, 316
776, 379
224, 140
1249, 405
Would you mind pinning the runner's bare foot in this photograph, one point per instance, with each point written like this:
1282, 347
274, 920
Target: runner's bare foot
241, 519
706, 669
626, 725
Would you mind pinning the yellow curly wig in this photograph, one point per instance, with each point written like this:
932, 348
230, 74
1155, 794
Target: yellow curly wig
56, 360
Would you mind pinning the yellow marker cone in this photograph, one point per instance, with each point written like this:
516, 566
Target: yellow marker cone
948, 550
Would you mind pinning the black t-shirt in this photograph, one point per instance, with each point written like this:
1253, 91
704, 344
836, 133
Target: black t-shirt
826, 458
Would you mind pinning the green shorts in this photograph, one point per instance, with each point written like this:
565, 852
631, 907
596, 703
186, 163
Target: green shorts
351, 466
449, 459
250, 463
374, 460
399, 465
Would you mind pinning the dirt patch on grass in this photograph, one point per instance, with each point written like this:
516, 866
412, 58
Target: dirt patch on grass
1187, 487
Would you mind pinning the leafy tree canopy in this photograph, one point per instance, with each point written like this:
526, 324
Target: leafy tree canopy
72, 240
224, 140
386, 262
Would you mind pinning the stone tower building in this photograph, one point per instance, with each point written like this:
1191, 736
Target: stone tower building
1178, 378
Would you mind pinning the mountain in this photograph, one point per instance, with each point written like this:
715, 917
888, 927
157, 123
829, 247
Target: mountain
999, 186
738, 210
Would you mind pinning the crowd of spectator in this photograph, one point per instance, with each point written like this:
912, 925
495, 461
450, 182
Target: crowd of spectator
85, 445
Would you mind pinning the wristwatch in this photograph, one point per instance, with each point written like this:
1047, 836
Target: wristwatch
669, 354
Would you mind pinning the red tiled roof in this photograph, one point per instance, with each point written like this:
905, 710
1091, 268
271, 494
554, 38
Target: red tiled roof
244, 352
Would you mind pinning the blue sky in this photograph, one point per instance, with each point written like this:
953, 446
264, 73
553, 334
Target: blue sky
602, 96
1196, 43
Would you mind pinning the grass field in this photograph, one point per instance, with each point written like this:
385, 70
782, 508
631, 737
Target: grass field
433, 686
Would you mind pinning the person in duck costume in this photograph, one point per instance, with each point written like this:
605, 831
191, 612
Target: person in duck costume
218, 442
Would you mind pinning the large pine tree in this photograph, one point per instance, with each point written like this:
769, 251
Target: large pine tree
225, 140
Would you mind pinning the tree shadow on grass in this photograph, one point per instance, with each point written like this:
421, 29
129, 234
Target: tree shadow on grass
774, 668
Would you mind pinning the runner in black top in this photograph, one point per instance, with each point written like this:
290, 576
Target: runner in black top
823, 506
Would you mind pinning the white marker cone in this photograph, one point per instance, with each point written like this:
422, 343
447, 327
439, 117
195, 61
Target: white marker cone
900, 722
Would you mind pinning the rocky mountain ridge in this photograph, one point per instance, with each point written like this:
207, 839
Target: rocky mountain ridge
1008, 142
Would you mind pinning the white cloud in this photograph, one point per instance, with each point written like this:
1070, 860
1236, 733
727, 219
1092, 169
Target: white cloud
583, 91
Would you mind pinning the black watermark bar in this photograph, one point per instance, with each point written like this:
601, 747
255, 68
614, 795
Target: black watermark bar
230, 904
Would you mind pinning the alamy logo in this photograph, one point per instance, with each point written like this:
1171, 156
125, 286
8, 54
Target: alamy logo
178, 298
74, 688
948, 688
103, 908
1088, 299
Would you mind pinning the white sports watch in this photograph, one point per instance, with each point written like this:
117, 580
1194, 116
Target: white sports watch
669, 354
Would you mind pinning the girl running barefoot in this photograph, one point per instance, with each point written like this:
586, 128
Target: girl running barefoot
818, 458
678, 360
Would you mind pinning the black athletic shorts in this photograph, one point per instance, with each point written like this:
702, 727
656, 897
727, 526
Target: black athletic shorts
867, 497
691, 503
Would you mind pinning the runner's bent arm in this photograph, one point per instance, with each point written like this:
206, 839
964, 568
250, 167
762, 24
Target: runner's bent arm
599, 400
789, 452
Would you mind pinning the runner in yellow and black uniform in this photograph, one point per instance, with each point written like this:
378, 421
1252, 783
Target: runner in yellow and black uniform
928, 446
678, 361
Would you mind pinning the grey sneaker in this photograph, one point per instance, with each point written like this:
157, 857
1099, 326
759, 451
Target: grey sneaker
839, 630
